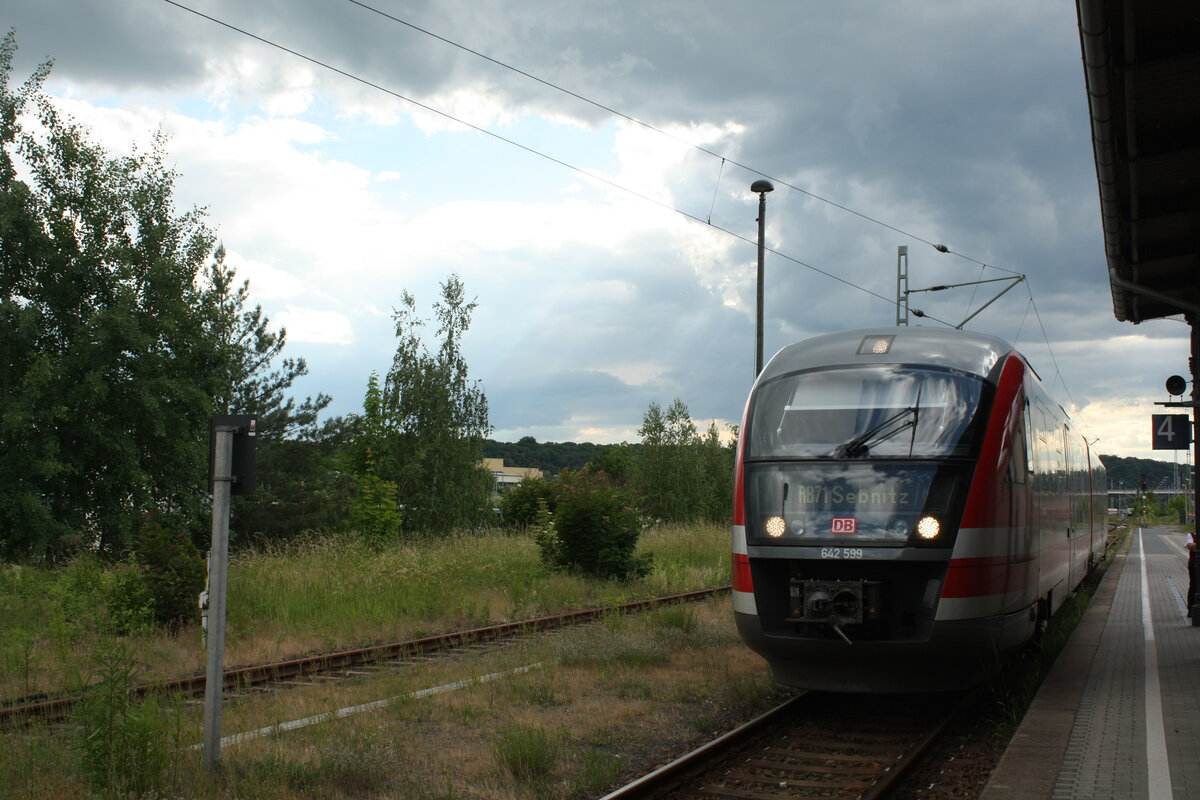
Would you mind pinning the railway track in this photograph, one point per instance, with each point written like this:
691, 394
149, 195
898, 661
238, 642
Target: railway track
22, 712
814, 745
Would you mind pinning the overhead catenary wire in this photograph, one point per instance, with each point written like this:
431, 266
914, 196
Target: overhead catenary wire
1057, 370
600, 179
651, 127
534, 151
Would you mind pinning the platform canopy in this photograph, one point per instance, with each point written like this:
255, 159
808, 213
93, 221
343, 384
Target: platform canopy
1142, 70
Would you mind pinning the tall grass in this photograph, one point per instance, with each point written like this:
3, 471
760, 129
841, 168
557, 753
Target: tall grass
322, 593
627, 691
351, 589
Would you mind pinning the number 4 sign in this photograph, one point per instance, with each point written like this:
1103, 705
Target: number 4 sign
1170, 431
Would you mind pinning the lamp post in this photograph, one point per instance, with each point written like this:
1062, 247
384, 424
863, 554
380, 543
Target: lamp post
762, 187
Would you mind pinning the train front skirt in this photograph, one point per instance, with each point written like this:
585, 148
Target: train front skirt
957, 655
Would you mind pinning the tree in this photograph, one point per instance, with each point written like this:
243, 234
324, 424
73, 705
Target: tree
682, 475
116, 345
107, 366
619, 462
426, 433
716, 469
669, 475
375, 509
251, 383
299, 488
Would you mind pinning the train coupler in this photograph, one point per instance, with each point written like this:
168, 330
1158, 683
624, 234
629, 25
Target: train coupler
834, 603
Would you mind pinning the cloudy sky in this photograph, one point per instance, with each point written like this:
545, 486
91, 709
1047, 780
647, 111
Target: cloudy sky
612, 255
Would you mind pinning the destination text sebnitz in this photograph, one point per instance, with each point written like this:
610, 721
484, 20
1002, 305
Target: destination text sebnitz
840, 495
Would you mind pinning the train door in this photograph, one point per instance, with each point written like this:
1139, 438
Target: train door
1051, 515
1021, 515
1098, 492
1078, 507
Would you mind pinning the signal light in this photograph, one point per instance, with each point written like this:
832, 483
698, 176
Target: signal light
875, 345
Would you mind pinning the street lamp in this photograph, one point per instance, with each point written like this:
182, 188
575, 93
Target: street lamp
762, 187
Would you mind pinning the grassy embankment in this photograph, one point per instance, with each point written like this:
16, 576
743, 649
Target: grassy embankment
600, 702
320, 595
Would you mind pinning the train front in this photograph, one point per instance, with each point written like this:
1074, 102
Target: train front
855, 462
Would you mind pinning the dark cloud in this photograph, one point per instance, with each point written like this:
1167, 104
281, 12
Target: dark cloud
124, 46
958, 123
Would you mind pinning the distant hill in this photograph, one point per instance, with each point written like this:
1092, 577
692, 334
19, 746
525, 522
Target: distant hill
550, 457
1130, 472
553, 457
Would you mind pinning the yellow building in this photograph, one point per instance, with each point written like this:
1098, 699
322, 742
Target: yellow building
507, 477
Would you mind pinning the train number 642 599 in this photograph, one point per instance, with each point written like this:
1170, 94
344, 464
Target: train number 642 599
841, 552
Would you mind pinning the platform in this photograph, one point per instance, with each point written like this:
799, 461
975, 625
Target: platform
1119, 714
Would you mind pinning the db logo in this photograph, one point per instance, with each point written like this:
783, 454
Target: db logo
845, 525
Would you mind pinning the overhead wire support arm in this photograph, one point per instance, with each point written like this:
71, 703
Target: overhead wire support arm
1001, 293
1017, 279
903, 291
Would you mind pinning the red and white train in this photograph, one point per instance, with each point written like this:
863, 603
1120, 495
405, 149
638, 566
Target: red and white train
909, 506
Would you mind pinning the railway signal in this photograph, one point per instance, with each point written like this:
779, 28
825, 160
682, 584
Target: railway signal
231, 471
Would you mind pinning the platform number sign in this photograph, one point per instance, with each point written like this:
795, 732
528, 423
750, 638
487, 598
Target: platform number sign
1171, 431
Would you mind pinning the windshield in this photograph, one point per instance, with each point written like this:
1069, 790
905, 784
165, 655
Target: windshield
860, 412
851, 503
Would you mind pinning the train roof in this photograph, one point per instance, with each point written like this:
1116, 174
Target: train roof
967, 351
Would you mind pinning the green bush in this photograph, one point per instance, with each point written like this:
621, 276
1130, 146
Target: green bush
594, 530
109, 599
173, 573
519, 505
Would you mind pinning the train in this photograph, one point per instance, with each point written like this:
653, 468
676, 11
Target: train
910, 506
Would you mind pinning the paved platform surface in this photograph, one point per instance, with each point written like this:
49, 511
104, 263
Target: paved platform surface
1119, 714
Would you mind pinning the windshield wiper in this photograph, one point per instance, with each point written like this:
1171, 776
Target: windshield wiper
860, 445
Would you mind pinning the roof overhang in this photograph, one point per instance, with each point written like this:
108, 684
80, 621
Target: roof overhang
1142, 70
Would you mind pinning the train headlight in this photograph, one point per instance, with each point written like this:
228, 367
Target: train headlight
776, 527
928, 527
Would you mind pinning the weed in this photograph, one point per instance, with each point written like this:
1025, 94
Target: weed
753, 692
35, 765
528, 754
591, 648
613, 620
634, 690
127, 747
690, 694
597, 771
356, 765
677, 617
1013, 688
539, 694
20, 657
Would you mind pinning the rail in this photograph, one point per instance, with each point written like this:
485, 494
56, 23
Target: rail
55, 709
